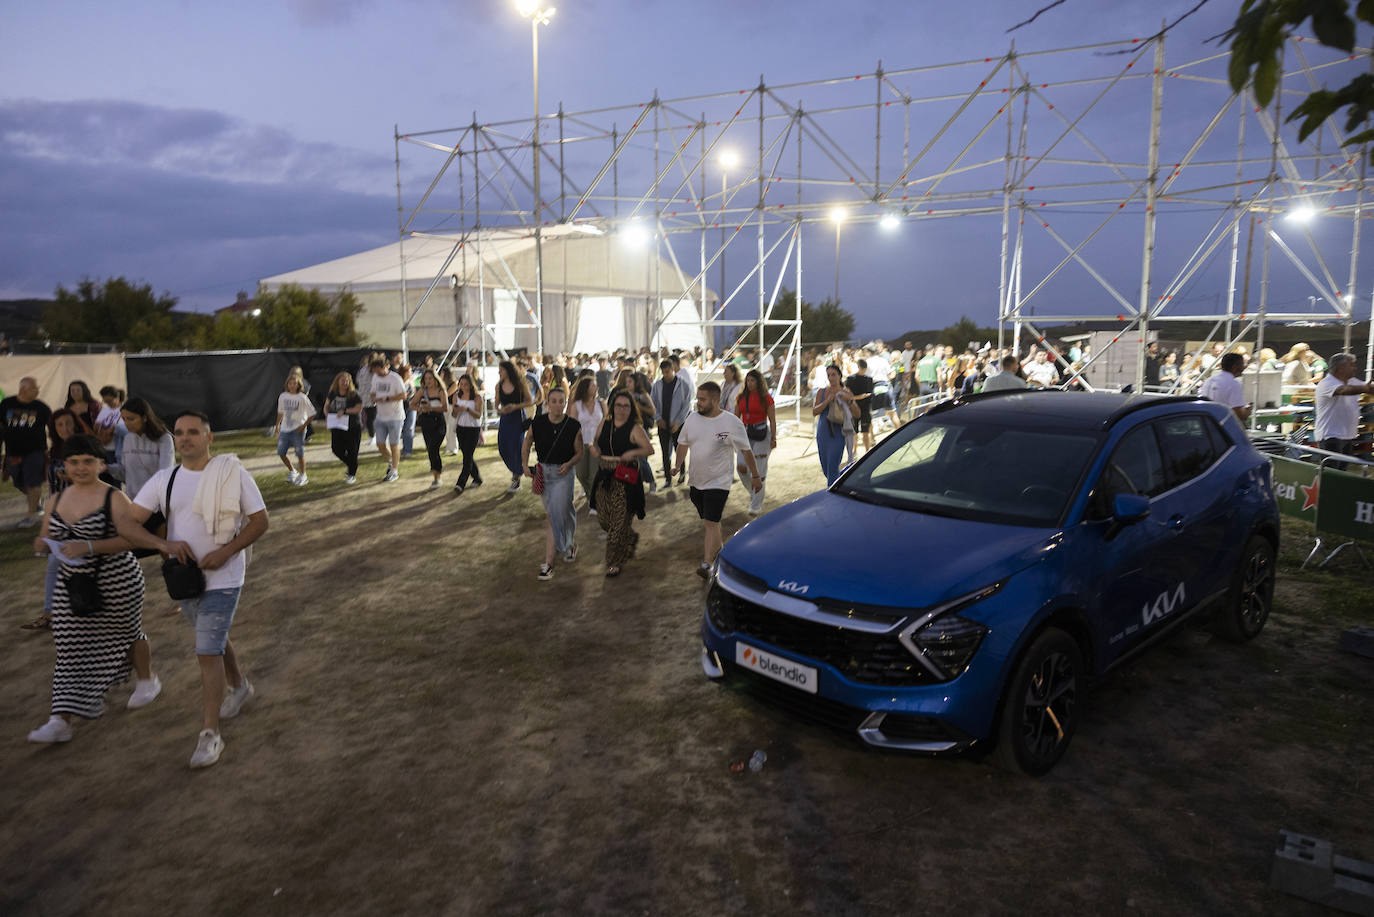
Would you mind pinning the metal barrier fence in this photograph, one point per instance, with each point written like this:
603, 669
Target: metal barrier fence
1333, 492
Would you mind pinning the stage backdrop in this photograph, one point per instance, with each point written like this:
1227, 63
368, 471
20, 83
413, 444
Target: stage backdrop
237, 389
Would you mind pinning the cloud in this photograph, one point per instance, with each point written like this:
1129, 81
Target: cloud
190, 201
181, 141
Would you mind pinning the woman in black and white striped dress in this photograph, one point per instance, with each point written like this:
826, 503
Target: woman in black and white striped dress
94, 652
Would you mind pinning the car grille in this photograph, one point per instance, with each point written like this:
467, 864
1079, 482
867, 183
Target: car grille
867, 658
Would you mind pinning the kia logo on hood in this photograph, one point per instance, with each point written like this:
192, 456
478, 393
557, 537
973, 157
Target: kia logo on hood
793, 587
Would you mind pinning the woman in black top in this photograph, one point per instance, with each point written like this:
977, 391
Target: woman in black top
344, 406
617, 491
557, 439
430, 403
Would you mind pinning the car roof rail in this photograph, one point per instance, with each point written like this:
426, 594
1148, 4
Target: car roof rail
1141, 402
960, 400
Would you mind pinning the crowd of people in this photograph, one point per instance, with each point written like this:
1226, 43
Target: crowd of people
562, 424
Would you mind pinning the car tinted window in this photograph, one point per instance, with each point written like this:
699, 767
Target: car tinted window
1220, 441
971, 470
1135, 467
1188, 445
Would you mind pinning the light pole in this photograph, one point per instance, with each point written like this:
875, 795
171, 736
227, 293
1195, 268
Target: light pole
538, 15
837, 216
728, 160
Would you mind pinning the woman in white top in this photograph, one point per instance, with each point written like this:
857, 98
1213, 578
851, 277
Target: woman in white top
467, 417
730, 387
587, 410
146, 448
294, 411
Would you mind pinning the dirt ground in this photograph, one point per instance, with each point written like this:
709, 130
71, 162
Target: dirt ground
437, 732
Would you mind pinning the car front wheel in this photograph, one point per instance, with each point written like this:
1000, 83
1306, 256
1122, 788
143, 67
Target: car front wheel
1041, 708
1252, 593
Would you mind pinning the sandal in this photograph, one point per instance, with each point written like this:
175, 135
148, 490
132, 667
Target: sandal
42, 622
612, 571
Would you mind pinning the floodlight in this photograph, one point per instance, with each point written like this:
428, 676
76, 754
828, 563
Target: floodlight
728, 159
838, 214
890, 221
1303, 214
634, 235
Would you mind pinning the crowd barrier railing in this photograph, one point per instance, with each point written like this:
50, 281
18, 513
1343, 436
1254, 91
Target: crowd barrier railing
1331, 491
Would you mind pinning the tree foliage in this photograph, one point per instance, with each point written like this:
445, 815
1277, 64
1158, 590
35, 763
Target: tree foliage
1257, 39
289, 317
964, 332
113, 312
823, 323
133, 317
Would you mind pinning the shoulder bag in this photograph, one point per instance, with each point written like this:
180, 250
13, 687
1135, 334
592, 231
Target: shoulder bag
83, 586
183, 580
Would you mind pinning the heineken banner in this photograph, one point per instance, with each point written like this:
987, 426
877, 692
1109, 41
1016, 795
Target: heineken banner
1346, 507
1295, 487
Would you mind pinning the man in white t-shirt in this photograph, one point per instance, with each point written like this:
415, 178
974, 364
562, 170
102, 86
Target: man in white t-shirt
389, 394
766, 364
1224, 386
715, 437
215, 512
1338, 405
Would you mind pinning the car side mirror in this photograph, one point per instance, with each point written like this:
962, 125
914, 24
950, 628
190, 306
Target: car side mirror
1127, 510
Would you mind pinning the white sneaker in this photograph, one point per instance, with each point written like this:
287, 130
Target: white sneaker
436, 483
350, 479
591, 512
144, 692
546, 571
514, 486
233, 701
208, 749
302, 480
291, 476
55, 729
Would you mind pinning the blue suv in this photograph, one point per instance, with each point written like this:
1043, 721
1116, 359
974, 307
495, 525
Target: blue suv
961, 582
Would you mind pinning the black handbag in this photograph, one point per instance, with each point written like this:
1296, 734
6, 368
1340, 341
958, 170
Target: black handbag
757, 432
183, 580
83, 586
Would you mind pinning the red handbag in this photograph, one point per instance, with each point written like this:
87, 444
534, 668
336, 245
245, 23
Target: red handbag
628, 474
537, 487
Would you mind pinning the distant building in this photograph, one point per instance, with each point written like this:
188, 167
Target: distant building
242, 306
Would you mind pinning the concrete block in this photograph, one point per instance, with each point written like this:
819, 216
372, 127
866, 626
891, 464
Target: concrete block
1308, 868
1359, 640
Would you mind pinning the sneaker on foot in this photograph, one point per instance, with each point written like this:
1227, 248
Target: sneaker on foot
55, 729
571, 554
350, 479
302, 480
208, 748
144, 692
233, 701
546, 571
591, 511
704, 571
435, 484
291, 476
477, 482
27, 522
458, 488
514, 486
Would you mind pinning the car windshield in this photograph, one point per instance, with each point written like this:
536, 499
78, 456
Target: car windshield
1007, 475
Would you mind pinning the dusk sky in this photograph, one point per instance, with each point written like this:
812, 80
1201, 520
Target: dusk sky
201, 147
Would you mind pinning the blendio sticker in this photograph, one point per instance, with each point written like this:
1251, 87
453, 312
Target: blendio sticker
777, 668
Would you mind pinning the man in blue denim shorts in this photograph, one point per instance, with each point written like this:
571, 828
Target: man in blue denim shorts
216, 511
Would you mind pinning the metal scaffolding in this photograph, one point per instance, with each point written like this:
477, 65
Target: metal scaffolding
1046, 142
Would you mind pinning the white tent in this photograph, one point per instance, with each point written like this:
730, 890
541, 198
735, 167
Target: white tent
600, 292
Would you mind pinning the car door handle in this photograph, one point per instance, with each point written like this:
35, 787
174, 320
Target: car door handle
1175, 523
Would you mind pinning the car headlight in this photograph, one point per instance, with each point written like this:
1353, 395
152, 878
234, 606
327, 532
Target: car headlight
944, 641
720, 608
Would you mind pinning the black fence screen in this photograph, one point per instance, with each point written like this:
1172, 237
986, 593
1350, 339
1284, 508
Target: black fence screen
237, 389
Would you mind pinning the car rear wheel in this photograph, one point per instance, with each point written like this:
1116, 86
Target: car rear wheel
1252, 593
1040, 711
